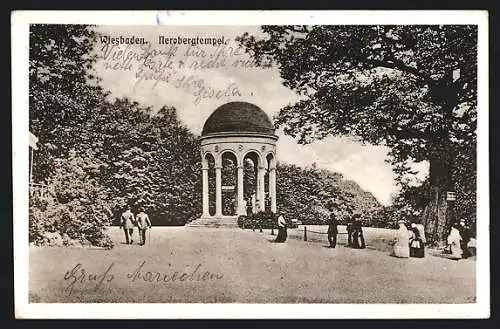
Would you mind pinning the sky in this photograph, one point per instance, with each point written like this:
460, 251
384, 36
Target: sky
182, 84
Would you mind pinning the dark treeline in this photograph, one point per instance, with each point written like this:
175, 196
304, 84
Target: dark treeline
309, 194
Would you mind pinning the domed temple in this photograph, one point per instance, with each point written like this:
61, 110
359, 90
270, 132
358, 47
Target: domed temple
238, 152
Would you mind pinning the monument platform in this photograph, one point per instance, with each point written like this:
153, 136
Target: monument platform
224, 222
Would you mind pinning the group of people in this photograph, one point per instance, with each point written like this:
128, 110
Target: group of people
128, 221
409, 242
458, 240
355, 237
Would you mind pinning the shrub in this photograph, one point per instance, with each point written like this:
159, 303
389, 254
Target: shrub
52, 239
72, 211
242, 221
265, 219
39, 221
71, 224
262, 219
247, 221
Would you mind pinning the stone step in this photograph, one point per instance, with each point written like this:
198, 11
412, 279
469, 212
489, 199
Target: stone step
213, 222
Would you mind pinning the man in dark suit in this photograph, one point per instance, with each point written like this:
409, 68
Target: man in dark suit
143, 224
358, 239
350, 230
127, 221
332, 230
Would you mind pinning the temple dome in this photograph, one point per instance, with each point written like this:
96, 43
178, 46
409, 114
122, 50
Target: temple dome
238, 117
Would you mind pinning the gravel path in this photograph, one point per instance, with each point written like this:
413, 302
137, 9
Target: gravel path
232, 265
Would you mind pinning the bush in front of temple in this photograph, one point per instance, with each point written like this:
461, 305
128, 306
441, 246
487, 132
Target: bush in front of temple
261, 219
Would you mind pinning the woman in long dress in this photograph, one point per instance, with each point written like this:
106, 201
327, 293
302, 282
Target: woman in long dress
401, 243
416, 242
454, 239
282, 235
465, 234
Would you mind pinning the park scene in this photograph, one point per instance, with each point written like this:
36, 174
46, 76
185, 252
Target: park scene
271, 164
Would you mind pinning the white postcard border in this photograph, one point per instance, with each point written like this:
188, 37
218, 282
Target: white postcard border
20, 21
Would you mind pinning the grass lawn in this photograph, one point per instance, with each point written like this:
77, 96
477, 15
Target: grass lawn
236, 266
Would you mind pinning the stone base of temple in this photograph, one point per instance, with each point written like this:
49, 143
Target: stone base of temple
224, 222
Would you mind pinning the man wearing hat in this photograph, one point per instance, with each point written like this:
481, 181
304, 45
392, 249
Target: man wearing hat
143, 224
127, 221
332, 230
350, 230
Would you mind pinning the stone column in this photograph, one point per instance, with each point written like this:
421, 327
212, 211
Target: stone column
31, 165
206, 212
218, 191
241, 205
272, 187
261, 191
254, 205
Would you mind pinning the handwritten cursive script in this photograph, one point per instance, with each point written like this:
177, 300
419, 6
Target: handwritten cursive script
79, 276
175, 276
178, 65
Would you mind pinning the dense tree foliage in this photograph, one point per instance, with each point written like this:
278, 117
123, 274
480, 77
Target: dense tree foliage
310, 194
412, 88
152, 161
141, 157
62, 90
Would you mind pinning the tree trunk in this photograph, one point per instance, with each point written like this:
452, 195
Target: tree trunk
438, 215
434, 216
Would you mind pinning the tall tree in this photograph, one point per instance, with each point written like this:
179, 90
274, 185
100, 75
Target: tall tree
63, 91
411, 88
152, 160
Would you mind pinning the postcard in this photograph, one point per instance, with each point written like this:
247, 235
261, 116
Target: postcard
250, 164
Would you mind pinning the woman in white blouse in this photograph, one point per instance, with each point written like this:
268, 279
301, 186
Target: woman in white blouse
282, 235
401, 241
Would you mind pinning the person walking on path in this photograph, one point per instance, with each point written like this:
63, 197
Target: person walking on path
358, 239
401, 242
127, 221
454, 242
465, 234
416, 242
350, 230
332, 230
421, 231
282, 235
143, 224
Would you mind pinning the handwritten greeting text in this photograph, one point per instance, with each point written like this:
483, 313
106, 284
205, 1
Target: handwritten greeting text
78, 278
180, 66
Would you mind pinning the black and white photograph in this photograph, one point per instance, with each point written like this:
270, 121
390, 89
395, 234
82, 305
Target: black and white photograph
251, 164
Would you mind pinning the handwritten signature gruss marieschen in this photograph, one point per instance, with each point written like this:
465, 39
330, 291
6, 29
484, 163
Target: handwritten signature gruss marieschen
79, 278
